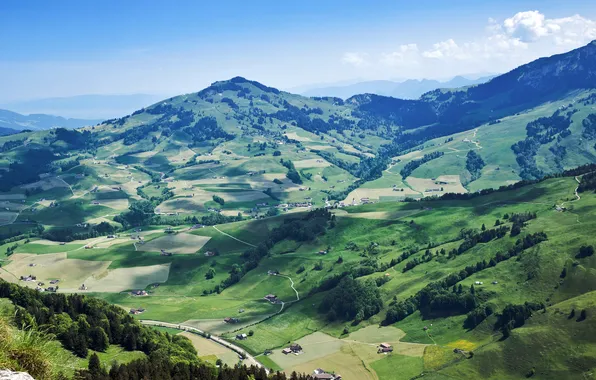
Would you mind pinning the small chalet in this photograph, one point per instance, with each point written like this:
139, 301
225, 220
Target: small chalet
272, 272
53, 282
209, 253
295, 347
83, 287
322, 253
322, 375
164, 253
241, 336
137, 311
52, 289
271, 298
385, 348
231, 320
139, 292
28, 278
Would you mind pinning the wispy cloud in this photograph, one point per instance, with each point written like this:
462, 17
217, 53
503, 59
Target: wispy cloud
529, 33
355, 59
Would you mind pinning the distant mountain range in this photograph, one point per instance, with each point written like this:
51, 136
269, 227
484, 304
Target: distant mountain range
12, 122
408, 89
85, 106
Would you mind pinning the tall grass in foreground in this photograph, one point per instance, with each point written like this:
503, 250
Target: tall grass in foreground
30, 351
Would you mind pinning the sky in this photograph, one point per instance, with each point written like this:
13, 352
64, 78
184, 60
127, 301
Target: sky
65, 48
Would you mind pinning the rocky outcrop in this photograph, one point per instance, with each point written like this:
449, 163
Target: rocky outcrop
10, 375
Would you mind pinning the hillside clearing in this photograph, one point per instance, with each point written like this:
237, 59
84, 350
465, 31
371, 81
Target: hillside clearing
71, 272
181, 243
121, 279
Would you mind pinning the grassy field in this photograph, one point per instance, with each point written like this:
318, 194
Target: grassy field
379, 232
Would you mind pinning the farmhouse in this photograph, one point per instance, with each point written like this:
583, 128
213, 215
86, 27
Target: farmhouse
296, 348
137, 311
164, 253
241, 336
28, 278
52, 289
197, 226
139, 293
209, 253
83, 287
322, 252
231, 320
323, 375
385, 348
53, 282
272, 272
271, 298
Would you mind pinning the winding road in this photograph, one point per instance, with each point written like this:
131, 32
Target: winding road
249, 359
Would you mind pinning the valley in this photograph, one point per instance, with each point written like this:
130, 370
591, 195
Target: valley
449, 236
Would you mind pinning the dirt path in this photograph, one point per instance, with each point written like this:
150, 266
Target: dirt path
66, 183
292, 286
230, 236
577, 197
250, 360
18, 214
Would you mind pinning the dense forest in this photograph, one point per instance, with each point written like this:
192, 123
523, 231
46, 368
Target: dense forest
474, 164
81, 323
540, 132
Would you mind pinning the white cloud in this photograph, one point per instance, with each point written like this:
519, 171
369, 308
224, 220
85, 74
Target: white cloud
527, 31
529, 26
447, 49
355, 59
406, 54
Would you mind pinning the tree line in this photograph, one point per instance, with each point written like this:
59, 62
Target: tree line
433, 299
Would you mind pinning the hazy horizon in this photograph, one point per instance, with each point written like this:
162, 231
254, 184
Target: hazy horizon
76, 48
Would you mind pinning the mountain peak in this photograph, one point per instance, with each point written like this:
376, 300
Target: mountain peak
237, 83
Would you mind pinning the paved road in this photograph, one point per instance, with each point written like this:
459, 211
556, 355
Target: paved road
250, 360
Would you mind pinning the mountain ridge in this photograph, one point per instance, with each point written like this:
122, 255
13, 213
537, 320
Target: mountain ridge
18, 122
407, 89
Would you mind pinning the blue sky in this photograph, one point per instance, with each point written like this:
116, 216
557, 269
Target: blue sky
63, 48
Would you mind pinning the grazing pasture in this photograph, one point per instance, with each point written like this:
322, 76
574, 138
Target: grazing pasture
121, 279
180, 243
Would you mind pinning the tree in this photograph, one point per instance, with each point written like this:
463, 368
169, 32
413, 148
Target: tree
210, 274
95, 367
585, 251
98, 339
80, 345
276, 153
582, 315
251, 333
219, 200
